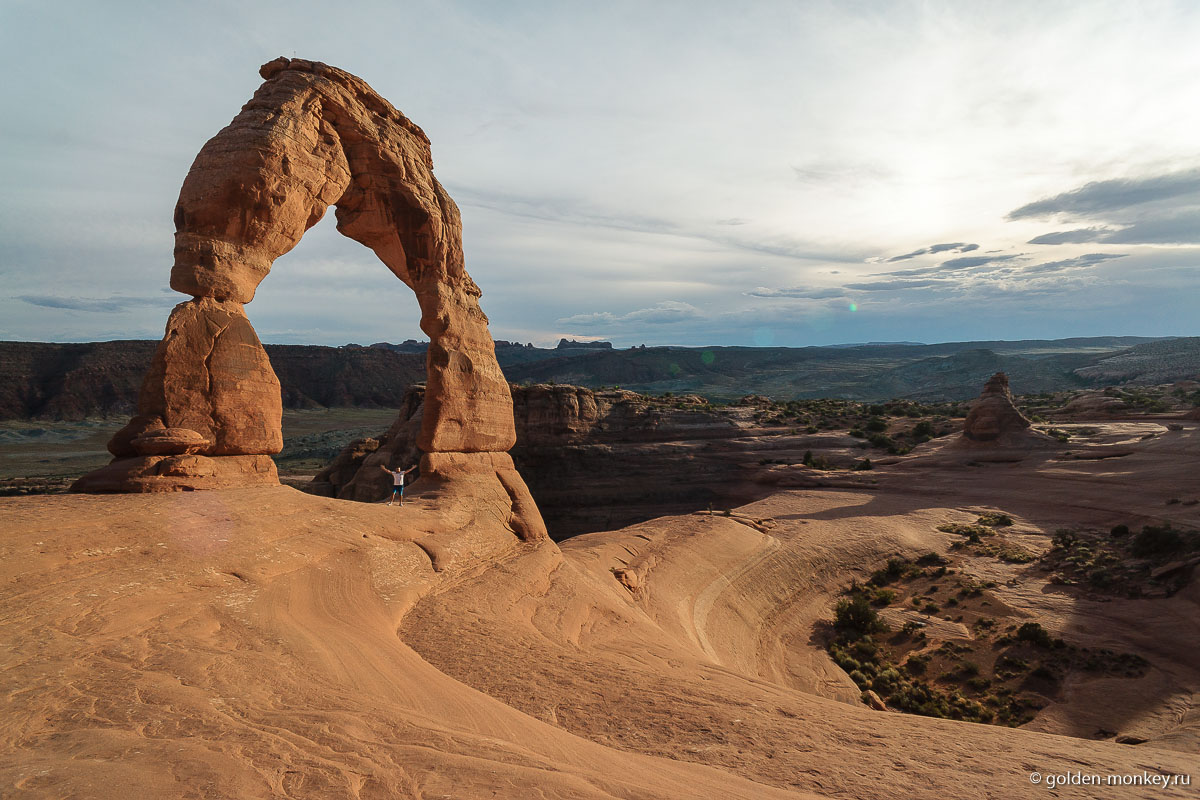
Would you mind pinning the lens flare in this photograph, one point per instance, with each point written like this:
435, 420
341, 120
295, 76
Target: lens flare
853, 307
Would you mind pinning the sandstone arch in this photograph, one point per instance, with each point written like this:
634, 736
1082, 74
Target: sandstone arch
311, 137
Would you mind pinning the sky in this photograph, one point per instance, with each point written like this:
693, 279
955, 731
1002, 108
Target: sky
661, 173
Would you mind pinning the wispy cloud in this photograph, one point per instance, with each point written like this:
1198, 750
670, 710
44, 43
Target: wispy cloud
107, 304
1099, 198
894, 285
662, 313
795, 291
576, 212
1157, 209
958, 247
1079, 262
1077, 236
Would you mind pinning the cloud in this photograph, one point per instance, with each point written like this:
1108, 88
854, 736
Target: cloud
662, 313
888, 286
109, 304
1181, 228
795, 291
1079, 262
1099, 198
574, 212
958, 247
907, 256
1076, 236
835, 171
970, 262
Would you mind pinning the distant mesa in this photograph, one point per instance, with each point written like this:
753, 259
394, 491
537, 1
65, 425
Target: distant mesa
407, 346
209, 410
571, 344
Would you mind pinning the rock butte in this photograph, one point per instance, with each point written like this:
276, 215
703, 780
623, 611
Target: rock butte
994, 417
209, 411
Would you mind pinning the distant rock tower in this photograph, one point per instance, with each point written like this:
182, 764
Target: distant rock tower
993, 416
209, 412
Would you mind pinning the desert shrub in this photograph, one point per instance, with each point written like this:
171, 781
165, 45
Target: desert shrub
1119, 530
931, 559
1009, 666
883, 597
1156, 540
994, 520
1044, 672
866, 651
863, 465
1012, 554
1064, 538
886, 681
876, 425
1033, 633
972, 532
923, 428
894, 570
854, 617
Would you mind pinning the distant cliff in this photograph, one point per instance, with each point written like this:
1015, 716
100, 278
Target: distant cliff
40, 380
72, 381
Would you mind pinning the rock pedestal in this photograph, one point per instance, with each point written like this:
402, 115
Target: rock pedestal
209, 412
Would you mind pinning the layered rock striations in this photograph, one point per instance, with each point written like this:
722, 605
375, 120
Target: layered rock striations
311, 137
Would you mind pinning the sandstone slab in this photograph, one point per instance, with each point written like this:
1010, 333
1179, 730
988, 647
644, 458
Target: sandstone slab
179, 473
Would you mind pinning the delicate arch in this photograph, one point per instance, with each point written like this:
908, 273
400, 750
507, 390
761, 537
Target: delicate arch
311, 137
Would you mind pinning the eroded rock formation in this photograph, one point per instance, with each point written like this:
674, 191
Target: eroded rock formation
994, 417
312, 136
595, 460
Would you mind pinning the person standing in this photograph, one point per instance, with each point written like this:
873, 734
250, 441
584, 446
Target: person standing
397, 481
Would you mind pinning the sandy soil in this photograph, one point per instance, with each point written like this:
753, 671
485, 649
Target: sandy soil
267, 643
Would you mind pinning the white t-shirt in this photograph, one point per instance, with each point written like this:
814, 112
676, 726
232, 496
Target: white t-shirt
397, 478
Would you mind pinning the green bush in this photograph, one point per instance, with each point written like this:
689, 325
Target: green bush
1064, 538
883, 597
1156, 540
855, 617
1034, 634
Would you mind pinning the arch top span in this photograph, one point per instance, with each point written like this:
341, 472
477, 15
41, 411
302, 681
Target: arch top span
311, 137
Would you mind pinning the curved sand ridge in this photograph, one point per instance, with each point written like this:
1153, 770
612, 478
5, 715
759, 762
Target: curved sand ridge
266, 643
